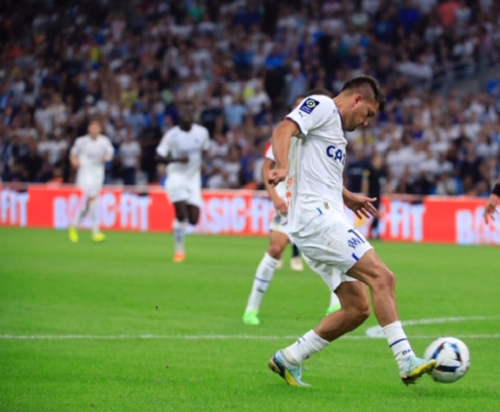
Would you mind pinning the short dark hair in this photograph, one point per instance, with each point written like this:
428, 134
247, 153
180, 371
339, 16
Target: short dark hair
95, 119
367, 86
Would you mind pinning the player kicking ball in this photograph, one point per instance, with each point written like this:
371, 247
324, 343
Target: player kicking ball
313, 167
278, 240
182, 149
88, 155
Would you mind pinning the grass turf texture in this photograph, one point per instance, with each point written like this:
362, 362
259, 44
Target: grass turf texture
129, 286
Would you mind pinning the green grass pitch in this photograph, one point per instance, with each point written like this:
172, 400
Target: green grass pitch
136, 332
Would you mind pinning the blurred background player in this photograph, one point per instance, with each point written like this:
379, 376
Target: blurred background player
296, 263
182, 149
278, 239
88, 156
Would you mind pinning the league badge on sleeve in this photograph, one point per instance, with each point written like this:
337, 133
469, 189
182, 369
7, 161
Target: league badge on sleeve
309, 105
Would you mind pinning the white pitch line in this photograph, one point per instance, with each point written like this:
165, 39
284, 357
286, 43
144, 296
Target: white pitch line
376, 331
211, 337
373, 332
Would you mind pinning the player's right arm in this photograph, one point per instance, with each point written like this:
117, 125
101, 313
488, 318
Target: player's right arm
163, 154
312, 113
281, 146
278, 202
108, 151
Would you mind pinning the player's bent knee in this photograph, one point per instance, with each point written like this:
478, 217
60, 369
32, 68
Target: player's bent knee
360, 311
384, 279
275, 250
363, 313
357, 314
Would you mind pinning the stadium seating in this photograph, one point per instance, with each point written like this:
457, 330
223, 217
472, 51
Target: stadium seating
242, 63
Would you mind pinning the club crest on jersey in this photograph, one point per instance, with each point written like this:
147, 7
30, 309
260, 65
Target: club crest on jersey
309, 105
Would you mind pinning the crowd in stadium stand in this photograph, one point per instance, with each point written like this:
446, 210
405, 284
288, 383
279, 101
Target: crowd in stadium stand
243, 62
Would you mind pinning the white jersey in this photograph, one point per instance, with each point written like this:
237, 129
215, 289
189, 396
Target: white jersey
316, 162
130, 152
180, 143
280, 187
91, 155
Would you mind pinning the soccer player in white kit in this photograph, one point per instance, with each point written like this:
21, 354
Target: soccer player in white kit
278, 238
319, 226
88, 155
182, 149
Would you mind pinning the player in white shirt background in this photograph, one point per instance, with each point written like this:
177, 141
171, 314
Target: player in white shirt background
88, 155
320, 228
182, 149
278, 239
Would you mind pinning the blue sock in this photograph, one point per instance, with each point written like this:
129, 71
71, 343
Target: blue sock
295, 251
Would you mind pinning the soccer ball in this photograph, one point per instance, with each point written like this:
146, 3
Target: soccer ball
453, 359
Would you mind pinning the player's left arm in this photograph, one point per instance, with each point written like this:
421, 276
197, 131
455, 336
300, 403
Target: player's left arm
205, 147
491, 204
361, 205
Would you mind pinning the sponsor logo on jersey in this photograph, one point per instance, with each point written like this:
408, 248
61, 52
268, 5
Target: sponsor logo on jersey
334, 153
308, 106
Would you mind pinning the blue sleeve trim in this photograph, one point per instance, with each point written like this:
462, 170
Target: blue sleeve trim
298, 125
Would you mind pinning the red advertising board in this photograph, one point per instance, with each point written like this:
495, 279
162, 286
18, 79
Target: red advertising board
437, 219
223, 212
430, 219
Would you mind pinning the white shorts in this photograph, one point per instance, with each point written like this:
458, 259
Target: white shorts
90, 184
279, 224
331, 246
182, 190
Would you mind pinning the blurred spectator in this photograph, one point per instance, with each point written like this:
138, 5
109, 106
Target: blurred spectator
130, 154
258, 101
43, 117
355, 167
446, 185
225, 170
57, 147
242, 64
374, 185
297, 84
235, 112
